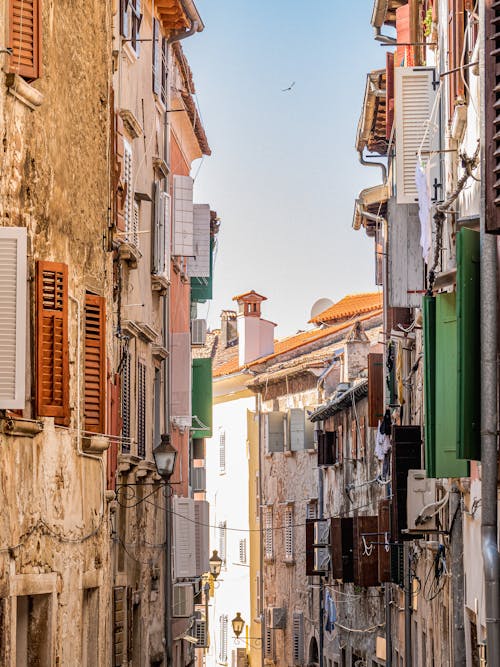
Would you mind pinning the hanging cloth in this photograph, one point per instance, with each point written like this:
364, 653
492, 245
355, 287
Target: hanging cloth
422, 181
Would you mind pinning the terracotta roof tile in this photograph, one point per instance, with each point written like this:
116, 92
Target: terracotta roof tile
349, 306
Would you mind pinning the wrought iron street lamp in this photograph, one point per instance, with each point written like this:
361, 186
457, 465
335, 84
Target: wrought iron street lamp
215, 564
165, 456
238, 624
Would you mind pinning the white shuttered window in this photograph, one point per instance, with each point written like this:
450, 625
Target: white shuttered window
268, 534
13, 276
289, 532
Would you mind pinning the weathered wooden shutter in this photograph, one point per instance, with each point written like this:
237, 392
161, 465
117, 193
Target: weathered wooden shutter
375, 388
389, 93
13, 277
340, 444
95, 364
429, 339
362, 437
25, 37
415, 92
129, 209
126, 379
198, 266
120, 184
114, 428
341, 538
384, 538
269, 643
289, 532
298, 638
268, 534
141, 409
365, 554
156, 64
119, 625
275, 429
52, 354
184, 538
296, 429
469, 345
180, 356
354, 439
310, 571
406, 455
404, 52
202, 519
492, 124
183, 239
406, 266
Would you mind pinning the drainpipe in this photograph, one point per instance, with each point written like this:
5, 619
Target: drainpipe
367, 163
488, 324
321, 583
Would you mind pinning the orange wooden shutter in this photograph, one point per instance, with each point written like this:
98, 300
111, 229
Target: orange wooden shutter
24, 37
52, 361
404, 54
95, 364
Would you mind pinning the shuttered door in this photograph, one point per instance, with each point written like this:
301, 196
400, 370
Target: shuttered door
25, 37
95, 364
429, 308
469, 344
375, 388
492, 125
406, 455
365, 553
52, 361
384, 535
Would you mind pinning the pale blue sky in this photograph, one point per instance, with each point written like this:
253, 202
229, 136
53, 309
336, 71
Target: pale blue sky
283, 175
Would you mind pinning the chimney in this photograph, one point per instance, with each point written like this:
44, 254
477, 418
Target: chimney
228, 328
255, 335
356, 353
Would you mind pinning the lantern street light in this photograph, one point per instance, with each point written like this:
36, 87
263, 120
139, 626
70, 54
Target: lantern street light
238, 624
215, 564
165, 456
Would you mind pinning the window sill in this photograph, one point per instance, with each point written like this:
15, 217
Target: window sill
23, 91
159, 283
289, 561
132, 125
25, 428
130, 254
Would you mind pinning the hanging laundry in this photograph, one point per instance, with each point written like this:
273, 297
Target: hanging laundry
422, 181
399, 373
330, 612
382, 441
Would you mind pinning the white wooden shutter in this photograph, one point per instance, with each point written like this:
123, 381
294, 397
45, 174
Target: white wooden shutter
298, 638
406, 266
183, 241
198, 266
243, 551
223, 622
13, 276
158, 263
180, 352
222, 452
184, 538
275, 431
201, 515
289, 532
296, 429
166, 208
222, 541
415, 93
268, 534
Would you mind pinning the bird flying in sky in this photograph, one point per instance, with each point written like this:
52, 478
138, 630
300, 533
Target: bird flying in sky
283, 90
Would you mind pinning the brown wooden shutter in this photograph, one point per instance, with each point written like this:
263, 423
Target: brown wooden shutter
492, 102
406, 455
389, 93
362, 437
310, 571
25, 37
340, 445
384, 530
365, 566
95, 364
354, 440
52, 359
341, 535
114, 427
375, 388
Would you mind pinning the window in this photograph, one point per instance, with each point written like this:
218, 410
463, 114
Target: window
289, 532
160, 45
268, 637
52, 353
223, 638
222, 452
312, 509
25, 37
130, 22
268, 534
141, 409
243, 551
222, 541
33, 635
95, 364
298, 638
125, 382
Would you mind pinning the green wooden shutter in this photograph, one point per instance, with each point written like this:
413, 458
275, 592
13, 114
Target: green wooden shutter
429, 311
202, 288
447, 464
202, 398
469, 368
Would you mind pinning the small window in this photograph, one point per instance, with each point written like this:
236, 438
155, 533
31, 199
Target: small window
24, 38
312, 509
289, 532
130, 22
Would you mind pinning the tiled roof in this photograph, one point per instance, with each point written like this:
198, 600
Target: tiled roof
251, 292
288, 344
349, 306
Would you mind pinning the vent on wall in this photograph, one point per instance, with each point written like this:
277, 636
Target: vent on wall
198, 332
182, 600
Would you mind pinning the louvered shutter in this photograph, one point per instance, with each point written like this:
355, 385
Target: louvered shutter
296, 429
25, 37
268, 534
198, 266
298, 638
222, 452
365, 551
406, 268
166, 208
404, 54
415, 94
113, 428
156, 64
275, 431
180, 355
310, 571
384, 536
184, 538
389, 93
125, 364
13, 276
456, 32
183, 238
52, 360
158, 221
120, 183
289, 533
201, 515
375, 388
406, 455
492, 124
141, 409
130, 206
95, 364
222, 541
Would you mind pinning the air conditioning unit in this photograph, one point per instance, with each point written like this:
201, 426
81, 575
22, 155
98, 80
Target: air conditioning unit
421, 496
277, 618
198, 332
322, 554
200, 631
182, 600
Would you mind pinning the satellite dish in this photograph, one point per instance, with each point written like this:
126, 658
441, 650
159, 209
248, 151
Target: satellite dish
319, 306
